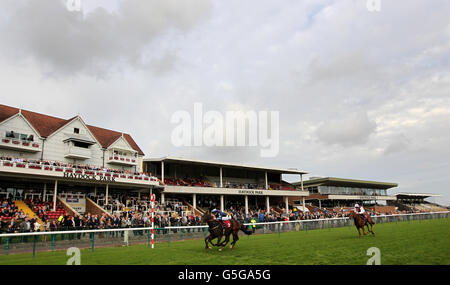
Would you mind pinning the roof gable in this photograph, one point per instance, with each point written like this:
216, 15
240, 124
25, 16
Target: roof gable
121, 143
46, 125
108, 137
7, 112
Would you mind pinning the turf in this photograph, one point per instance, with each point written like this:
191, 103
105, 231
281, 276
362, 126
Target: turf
403, 243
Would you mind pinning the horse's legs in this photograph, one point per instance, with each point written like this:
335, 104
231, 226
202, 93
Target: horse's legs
219, 238
364, 229
371, 228
225, 242
359, 232
208, 239
235, 239
227, 235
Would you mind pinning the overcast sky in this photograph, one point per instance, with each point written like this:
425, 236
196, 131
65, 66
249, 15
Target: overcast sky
360, 94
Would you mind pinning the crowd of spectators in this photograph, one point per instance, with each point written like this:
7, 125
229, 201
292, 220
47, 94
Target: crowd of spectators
52, 163
15, 221
203, 182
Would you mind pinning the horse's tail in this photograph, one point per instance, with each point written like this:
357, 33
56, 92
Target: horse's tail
246, 230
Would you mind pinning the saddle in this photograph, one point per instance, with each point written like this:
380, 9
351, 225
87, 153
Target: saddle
227, 223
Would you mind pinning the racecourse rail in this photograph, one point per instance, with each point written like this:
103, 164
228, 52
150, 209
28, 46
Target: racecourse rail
59, 240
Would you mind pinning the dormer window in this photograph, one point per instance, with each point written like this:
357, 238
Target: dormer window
76, 130
81, 144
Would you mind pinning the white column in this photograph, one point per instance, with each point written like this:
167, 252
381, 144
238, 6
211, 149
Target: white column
221, 178
45, 193
139, 195
246, 205
267, 204
222, 208
320, 204
162, 198
162, 171
54, 195
301, 181
287, 204
304, 206
106, 196
194, 201
267, 182
95, 190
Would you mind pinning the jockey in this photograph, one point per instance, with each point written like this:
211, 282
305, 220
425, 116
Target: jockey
360, 211
221, 216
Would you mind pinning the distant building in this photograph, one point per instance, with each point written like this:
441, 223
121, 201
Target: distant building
44, 157
220, 182
31, 135
332, 192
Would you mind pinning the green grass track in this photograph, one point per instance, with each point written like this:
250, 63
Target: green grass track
402, 243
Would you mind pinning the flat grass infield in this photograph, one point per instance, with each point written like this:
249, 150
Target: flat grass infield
425, 242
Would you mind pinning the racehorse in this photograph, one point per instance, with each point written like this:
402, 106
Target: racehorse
234, 230
361, 222
216, 230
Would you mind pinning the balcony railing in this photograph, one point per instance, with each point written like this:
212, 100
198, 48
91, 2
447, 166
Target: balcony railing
124, 160
58, 170
18, 144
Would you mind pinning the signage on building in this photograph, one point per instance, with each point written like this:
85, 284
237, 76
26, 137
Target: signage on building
91, 177
251, 192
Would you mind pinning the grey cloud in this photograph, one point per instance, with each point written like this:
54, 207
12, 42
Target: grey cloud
354, 65
398, 144
351, 129
312, 61
64, 42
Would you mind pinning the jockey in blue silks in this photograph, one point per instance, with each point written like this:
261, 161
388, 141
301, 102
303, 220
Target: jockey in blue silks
221, 216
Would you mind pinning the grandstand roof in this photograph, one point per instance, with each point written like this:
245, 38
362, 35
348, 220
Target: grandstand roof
224, 164
46, 125
413, 195
333, 181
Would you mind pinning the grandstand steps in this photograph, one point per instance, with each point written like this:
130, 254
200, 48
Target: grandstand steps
197, 211
302, 209
204, 210
400, 206
94, 209
277, 210
313, 209
27, 211
69, 210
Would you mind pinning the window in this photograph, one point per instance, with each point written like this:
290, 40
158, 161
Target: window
76, 130
23, 137
81, 144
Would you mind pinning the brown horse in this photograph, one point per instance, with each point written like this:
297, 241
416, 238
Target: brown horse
234, 230
218, 230
361, 222
215, 229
